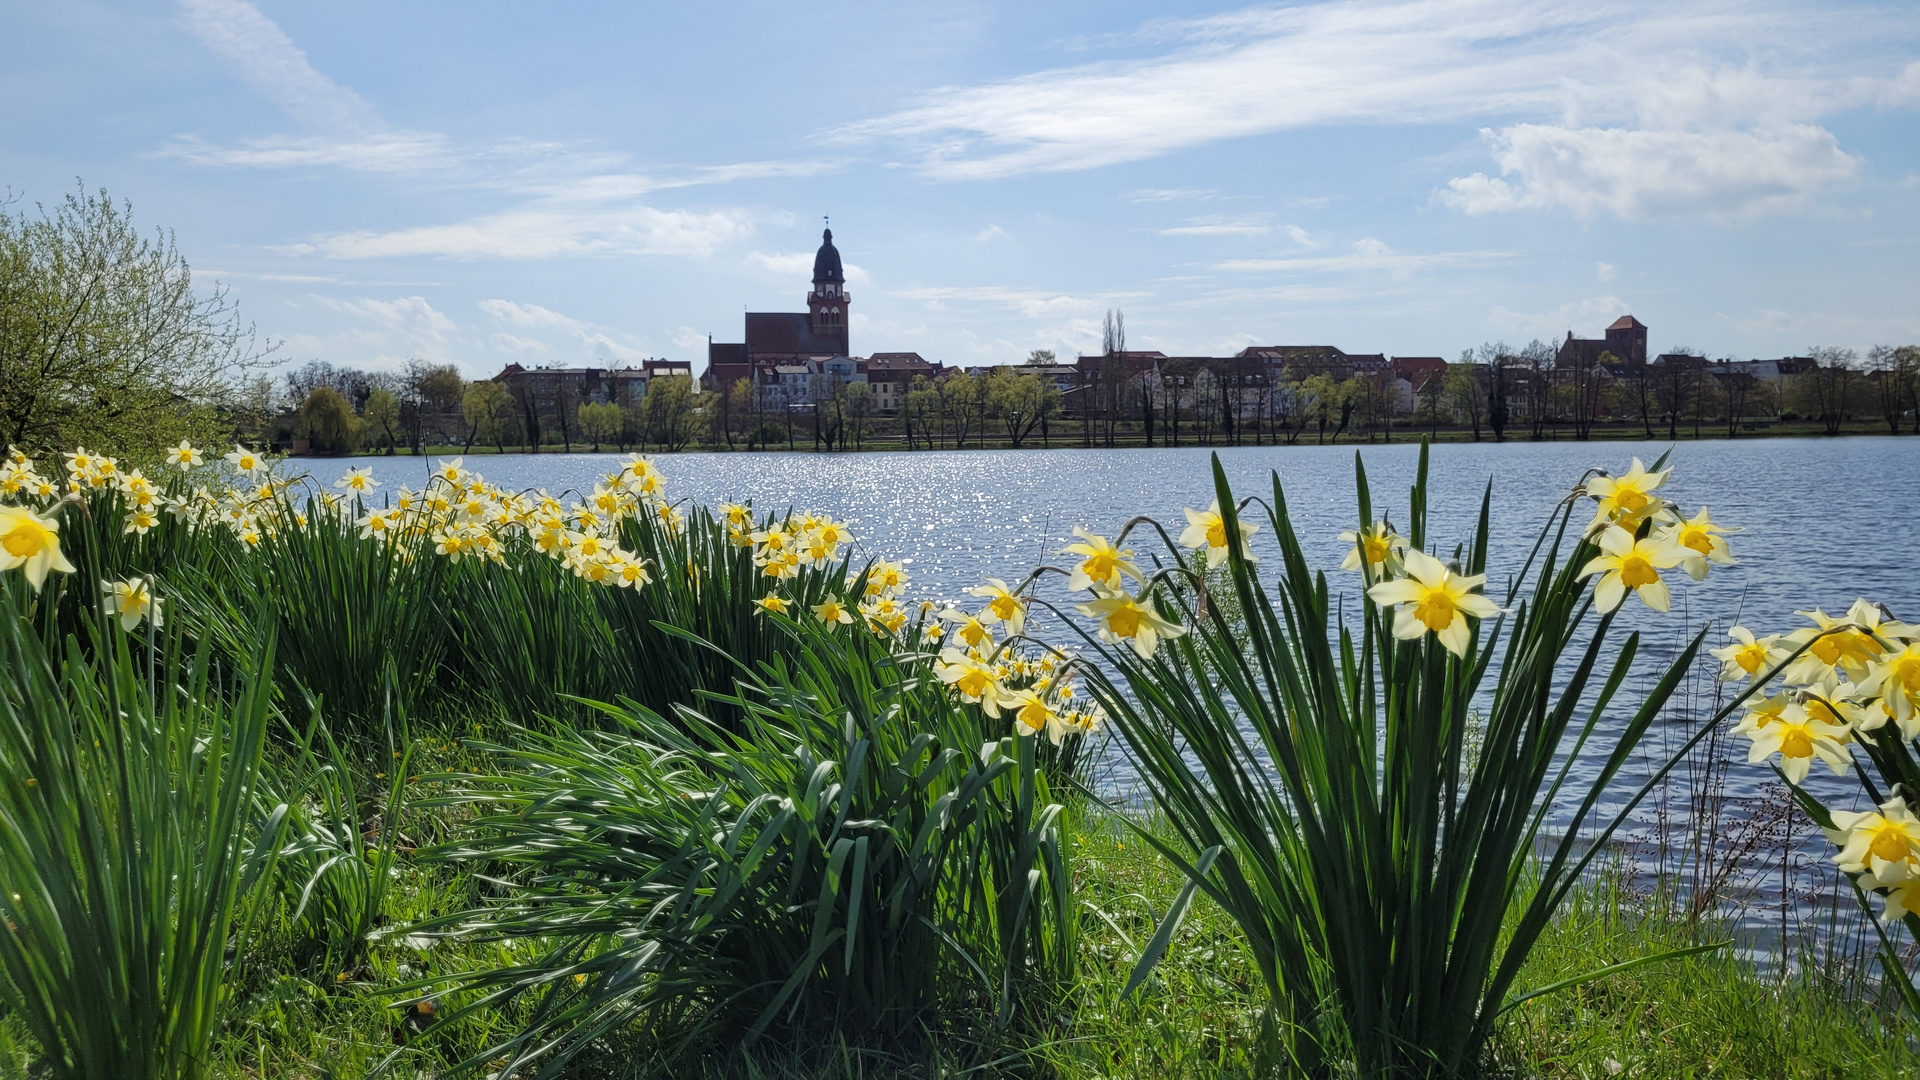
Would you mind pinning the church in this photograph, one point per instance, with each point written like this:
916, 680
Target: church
776, 339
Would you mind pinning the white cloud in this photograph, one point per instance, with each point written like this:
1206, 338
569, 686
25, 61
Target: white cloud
1032, 303
512, 343
537, 231
799, 264
1641, 174
991, 232
266, 59
1585, 318
1304, 238
1167, 194
1603, 271
411, 315
1223, 225
383, 152
1637, 108
547, 328
1367, 254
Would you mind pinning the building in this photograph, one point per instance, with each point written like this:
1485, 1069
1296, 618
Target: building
786, 339
891, 376
1626, 340
544, 391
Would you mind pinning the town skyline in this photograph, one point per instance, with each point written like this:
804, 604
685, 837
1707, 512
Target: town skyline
1397, 176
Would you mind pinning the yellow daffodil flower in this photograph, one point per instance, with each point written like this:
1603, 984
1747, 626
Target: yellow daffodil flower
1896, 679
1629, 562
1002, 605
971, 630
1748, 656
1031, 713
1434, 598
360, 480
832, 611
130, 601
184, 456
1701, 542
972, 680
1208, 529
1123, 618
1883, 847
139, 521
1377, 547
247, 461
1101, 563
1847, 647
1626, 500
773, 604
1798, 739
450, 471
31, 542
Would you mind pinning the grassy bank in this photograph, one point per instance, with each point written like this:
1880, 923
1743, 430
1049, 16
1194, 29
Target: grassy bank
489, 785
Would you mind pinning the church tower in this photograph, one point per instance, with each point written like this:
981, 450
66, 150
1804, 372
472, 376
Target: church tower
827, 303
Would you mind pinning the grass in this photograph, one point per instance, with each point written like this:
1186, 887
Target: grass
1199, 1017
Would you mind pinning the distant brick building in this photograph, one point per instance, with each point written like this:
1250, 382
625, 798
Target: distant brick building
1626, 339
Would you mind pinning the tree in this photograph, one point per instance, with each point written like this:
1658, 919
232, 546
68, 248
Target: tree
489, 412
1040, 356
1020, 401
1466, 391
601, 422
103, 339
1895, 375
858, 402
957, 402
1675, 384
328, 421
1829, 389
668, 409
921, 406
382, 416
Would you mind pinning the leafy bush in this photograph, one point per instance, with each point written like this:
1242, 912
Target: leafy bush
859, 850
130, 846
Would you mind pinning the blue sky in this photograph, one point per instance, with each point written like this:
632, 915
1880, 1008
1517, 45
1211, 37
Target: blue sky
485, 183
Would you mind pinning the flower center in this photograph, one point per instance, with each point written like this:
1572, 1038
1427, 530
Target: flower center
1889, 843
1750, 658
1636, 570
1376, 549
1004, 607
25, 538
1630, 500
1797, 742
1125, 621
1217, 533
1435, 609
1697, 539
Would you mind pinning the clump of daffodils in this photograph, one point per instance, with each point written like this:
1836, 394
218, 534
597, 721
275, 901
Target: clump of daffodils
1640, 534
1839, 680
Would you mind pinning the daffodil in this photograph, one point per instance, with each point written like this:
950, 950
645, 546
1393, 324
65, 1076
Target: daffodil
1002, 605
1377, 547
1629, 562
1434, 598
247, 461
1124, 618
972, 680
773, 604
1798, 738
1882, 846
450, 472
184, 456
377, 525
1896, 679
1846, 643
358, 480
140, 520
31, 542
1101, 563
1031, 713
1701, 542
887, 577
1748, 656
130, 601
833, 611
1626, 500
1208, 528
970, 628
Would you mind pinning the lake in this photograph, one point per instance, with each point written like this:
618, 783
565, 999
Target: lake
1825, 521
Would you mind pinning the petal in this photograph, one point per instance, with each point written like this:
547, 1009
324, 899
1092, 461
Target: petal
1608, 594
1406, 626
1400, 591
1455, 637
1425, 567
1656, 595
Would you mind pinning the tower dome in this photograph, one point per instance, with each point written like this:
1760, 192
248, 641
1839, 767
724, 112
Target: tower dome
826, 262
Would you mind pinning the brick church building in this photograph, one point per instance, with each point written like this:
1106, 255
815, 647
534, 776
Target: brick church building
776, 339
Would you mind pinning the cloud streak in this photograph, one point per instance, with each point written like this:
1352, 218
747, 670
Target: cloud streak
265, 58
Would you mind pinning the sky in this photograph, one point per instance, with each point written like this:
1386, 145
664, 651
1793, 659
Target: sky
484, 183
